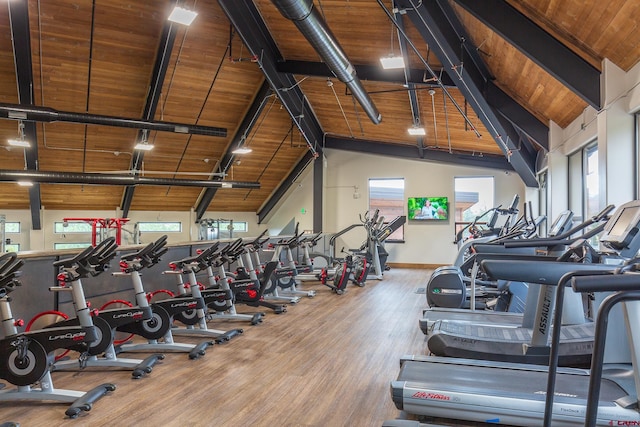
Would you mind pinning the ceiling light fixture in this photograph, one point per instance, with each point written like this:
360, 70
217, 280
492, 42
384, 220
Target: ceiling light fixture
417, 131
19, 143
25, 183
392, 62
182, 16
144, 145
242, 150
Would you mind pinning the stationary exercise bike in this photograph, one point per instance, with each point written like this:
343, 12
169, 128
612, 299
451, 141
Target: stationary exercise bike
160, 326
248, 287
101, 353
197, 317
26, 357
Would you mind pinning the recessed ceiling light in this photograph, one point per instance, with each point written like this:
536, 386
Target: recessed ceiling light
183, 16
392, 62
19, 143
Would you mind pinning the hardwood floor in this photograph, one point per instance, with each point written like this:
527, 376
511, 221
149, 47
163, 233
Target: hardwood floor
327, 361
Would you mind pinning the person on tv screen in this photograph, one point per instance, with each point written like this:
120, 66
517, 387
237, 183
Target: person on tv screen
427, 211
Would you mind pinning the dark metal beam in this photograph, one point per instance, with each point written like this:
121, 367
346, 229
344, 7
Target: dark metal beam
249, 24
318, 194
519, 116
539, 46
249, 120
167, 40
411, 153
413, 96
86, 178
373, 73
50, 115
284, 186
21, 37
434, 25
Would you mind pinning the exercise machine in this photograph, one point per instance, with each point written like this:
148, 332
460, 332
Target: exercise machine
26, 357
528, 343
160, 326
515, 394
101, 352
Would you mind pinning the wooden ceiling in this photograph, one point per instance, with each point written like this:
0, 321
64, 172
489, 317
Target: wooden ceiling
98, 57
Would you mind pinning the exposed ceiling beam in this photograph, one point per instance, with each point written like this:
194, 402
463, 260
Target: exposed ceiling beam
411, 153
249, 24
413, 96
519, 116
249, 120
86, 178
279, 193
21, 37
163, 56
373, 73
49, 115
539, 46
434, 26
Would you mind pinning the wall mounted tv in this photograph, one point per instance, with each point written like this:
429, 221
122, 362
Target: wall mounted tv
428, 208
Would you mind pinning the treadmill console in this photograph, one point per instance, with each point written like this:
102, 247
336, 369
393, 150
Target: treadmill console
621, 232
562, 224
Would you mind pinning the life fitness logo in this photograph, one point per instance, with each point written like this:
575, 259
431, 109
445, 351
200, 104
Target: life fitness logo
435, 396
624, 423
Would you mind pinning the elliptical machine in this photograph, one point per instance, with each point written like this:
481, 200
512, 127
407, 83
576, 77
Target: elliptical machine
26, 357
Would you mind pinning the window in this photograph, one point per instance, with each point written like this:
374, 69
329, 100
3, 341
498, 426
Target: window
71, 227
71, 245
387, 195
473, 197
12, 247
160, 227
584, 184
11, 227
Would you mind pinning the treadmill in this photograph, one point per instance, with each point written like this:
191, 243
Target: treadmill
512, 393
559, 236
528, 343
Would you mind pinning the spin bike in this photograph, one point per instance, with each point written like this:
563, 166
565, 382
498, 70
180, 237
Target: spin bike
101, 353
26, 357
160, 326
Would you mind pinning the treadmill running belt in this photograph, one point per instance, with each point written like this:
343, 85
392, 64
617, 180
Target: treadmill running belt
504, 382
509, 344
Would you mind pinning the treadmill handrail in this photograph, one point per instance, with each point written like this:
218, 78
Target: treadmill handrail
558, 240
530, 271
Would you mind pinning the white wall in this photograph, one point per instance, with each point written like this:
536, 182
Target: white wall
613, 127
425, 243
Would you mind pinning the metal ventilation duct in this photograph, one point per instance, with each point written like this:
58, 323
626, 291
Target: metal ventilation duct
104, 179
316, 31
49, 115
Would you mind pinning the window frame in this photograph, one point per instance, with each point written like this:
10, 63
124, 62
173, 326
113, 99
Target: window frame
400, 230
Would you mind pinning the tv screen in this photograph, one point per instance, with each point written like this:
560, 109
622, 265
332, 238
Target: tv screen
428, 208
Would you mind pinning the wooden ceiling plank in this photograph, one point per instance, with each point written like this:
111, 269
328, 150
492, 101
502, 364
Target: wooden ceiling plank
434, 27
539, 46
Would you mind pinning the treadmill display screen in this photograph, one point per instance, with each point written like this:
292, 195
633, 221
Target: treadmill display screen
626, 216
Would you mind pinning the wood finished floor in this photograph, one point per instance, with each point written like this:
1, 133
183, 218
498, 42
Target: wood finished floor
327, 361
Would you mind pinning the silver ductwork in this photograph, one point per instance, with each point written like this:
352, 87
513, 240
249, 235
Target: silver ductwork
49, 115
316, 31
108, 179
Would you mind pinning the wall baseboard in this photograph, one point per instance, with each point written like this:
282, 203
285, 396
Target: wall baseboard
413, 265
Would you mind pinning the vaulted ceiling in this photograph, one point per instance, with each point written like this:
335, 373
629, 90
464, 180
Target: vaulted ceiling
483, 78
